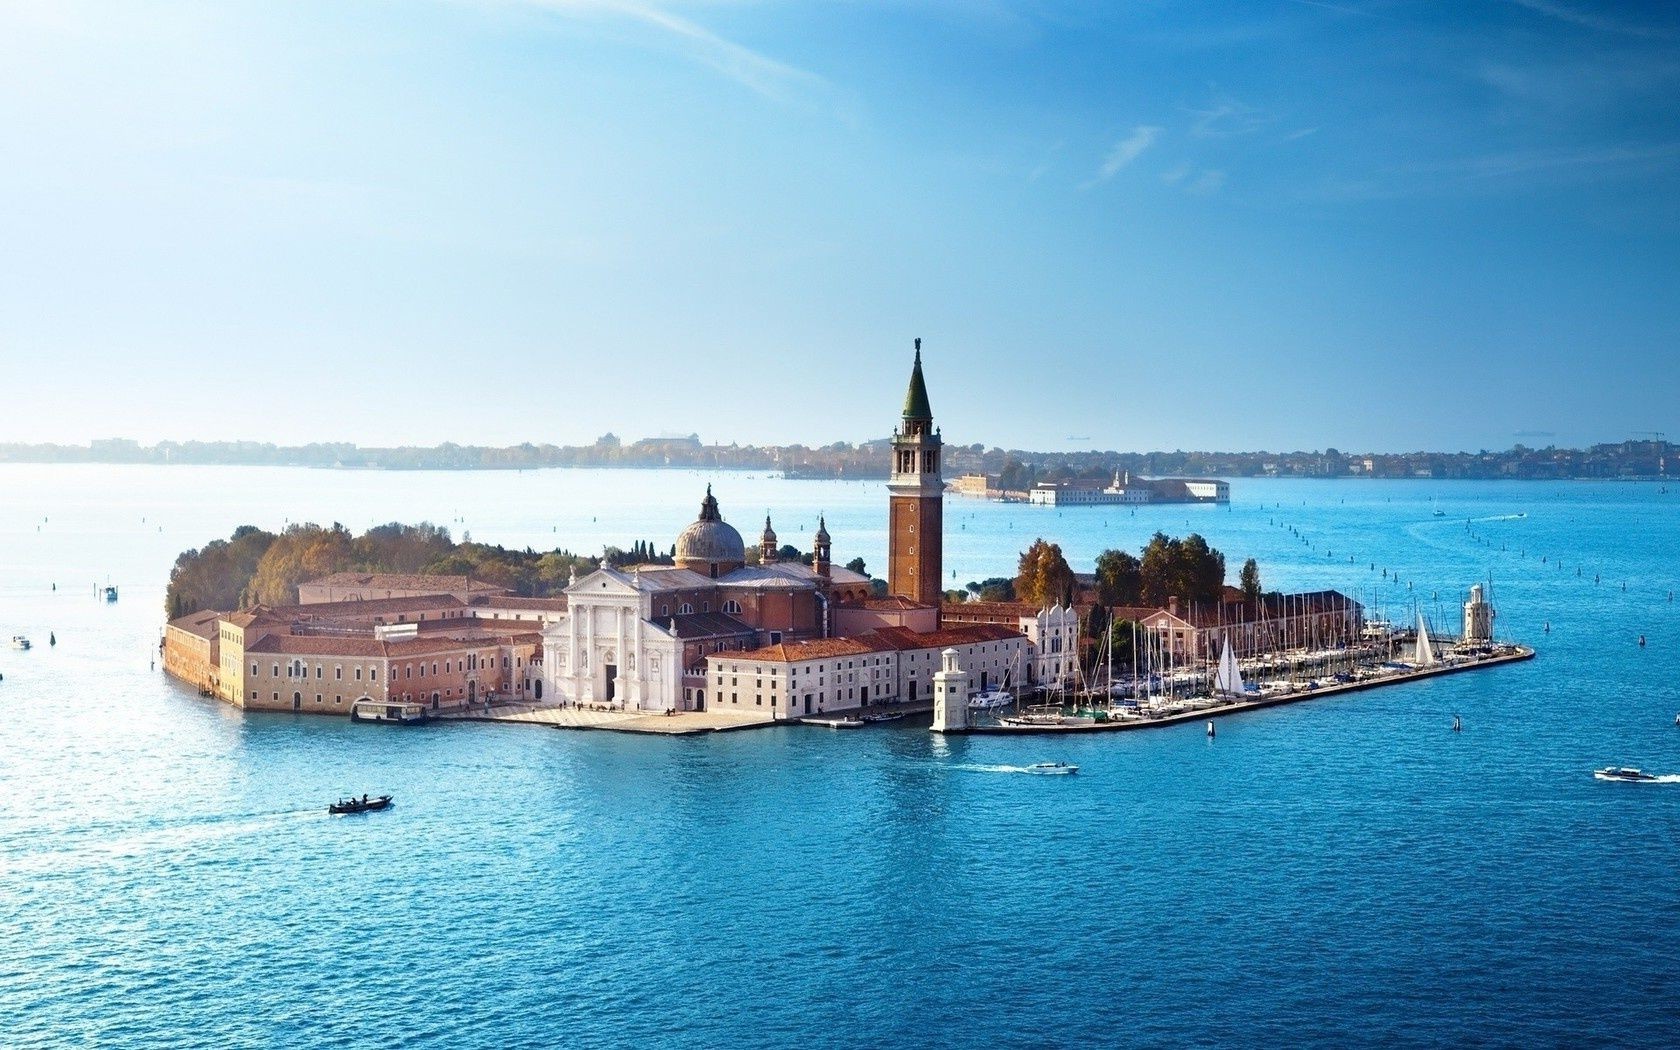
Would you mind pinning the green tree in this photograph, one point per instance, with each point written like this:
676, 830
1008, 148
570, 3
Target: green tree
1119, 578
1250, 580
1187, 569
994, 589
1122, 635
857, 566
1043, 577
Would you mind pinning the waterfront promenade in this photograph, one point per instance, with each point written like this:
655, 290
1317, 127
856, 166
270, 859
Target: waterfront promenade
556, 716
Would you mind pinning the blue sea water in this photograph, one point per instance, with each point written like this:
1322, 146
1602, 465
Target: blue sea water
1342, 871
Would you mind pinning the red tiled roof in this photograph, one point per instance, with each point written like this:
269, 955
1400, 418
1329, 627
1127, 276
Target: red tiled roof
406, 581
793, 652
202, 623
891, 603
373, 607
901, 638
509, 601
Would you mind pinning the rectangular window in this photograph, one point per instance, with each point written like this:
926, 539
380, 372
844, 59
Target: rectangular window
338, 672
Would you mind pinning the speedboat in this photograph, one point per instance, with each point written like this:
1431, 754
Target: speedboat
1051, 769
1624, 773
20, 642
885, 716
360, 805
990, 701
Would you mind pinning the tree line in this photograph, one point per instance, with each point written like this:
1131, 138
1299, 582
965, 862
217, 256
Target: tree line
257, 567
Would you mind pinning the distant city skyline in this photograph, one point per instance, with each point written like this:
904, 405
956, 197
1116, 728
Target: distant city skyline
1375, 226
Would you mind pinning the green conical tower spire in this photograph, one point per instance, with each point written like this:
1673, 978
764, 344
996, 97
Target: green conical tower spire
916, 399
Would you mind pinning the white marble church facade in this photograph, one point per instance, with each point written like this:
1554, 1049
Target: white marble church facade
608, 650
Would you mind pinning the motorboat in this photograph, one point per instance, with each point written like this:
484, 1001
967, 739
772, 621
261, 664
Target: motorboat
1626, 774
990, 701
20, 642
886, 716
364, 804
1050, 769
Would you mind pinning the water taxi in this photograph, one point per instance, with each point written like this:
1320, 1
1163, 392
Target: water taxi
1626, 774
990, 701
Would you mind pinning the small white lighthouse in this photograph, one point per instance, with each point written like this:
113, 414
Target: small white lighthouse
950, 695
1478, 617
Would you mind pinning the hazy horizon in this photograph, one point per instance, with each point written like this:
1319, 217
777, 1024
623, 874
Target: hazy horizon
1374, 226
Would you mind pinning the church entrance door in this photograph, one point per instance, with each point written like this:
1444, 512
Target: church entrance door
612, 682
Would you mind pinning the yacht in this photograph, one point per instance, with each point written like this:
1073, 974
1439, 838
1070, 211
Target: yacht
990, 701
1624, 773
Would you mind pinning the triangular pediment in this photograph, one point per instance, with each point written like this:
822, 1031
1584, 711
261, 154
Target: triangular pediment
603, 582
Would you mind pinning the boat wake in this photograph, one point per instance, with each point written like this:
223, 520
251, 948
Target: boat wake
1037, 770
95, 847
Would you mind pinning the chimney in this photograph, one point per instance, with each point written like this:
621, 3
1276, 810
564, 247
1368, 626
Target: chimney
1172, 605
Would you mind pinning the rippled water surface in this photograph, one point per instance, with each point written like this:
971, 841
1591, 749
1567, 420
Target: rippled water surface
1342, 870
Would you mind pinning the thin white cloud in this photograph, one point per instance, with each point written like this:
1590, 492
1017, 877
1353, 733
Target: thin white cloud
1300, 134
1177, 173
757, 72
1227, 117
1127, 150
1590, 19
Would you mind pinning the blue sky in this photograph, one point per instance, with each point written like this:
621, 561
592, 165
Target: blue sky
1363, 224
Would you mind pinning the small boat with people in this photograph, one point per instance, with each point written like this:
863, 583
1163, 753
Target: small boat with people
345, 806
1051, 769
20, 642
885, 716
1624, 774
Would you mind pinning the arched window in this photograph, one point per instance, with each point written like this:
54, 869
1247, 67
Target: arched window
731, 606
686, 609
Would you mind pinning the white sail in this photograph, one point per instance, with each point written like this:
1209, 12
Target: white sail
1228, 680
1425, 655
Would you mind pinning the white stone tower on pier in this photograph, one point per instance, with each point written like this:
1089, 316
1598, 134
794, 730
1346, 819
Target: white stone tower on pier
950, 695
1478, 617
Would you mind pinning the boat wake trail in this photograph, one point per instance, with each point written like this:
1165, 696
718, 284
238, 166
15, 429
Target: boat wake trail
102, 846
971, 767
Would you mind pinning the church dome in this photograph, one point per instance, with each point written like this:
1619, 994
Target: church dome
710, 539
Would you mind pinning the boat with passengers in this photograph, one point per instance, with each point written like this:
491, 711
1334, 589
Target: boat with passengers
359, 805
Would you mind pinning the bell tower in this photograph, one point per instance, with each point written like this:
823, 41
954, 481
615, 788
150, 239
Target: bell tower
916, 504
